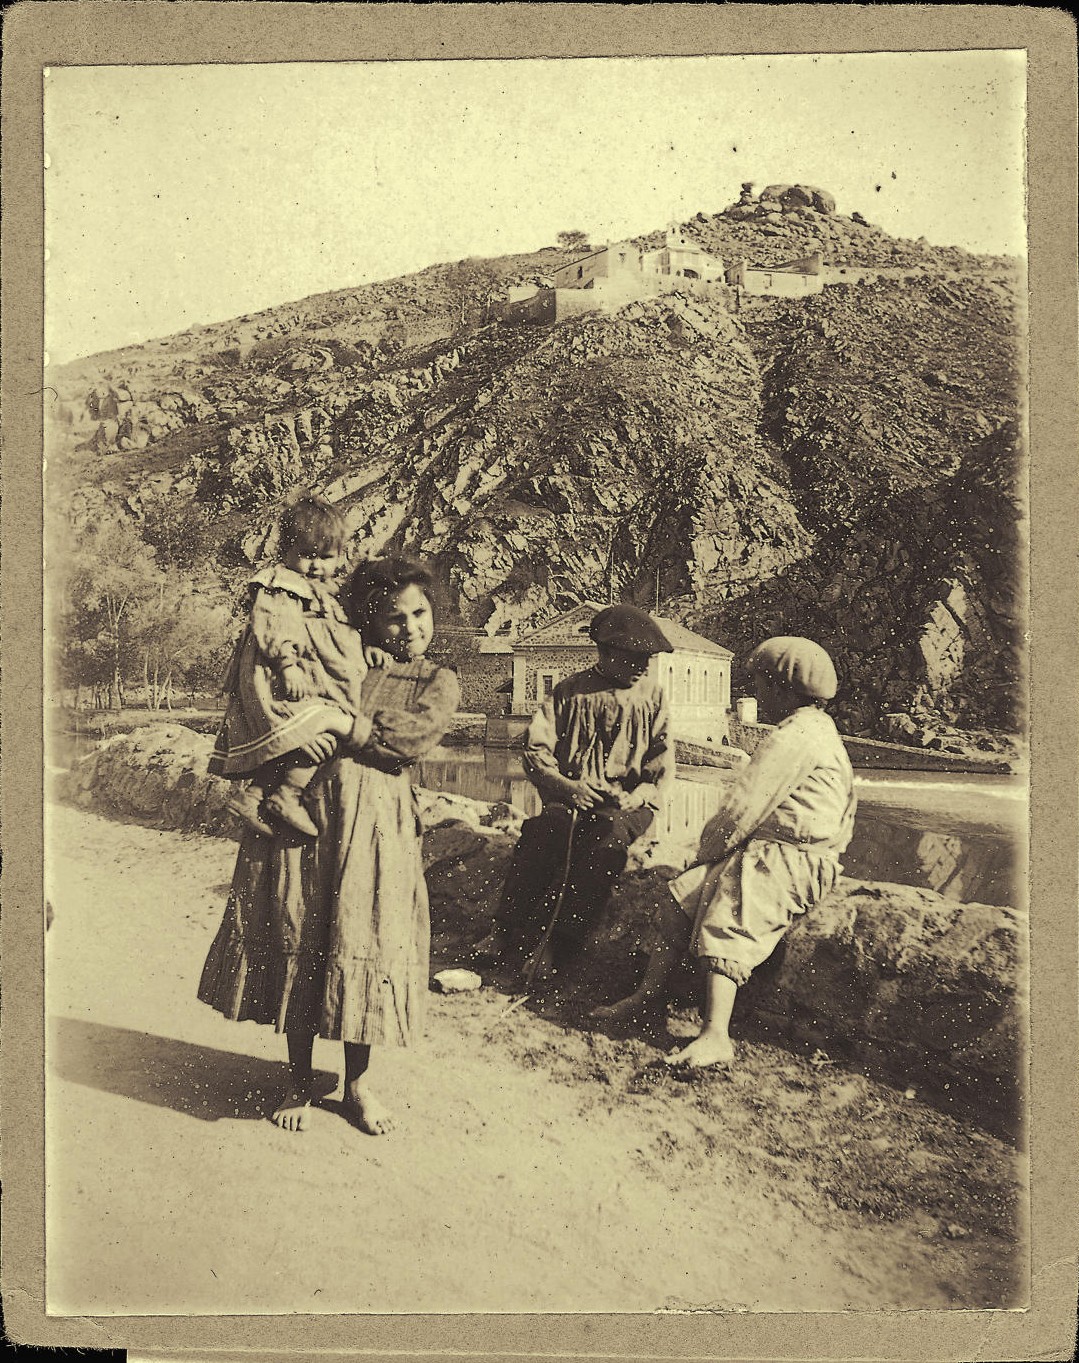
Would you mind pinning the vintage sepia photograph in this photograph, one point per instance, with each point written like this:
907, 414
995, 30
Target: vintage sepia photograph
536, 710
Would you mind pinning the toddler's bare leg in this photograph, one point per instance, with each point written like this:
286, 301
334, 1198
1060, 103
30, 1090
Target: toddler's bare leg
713, 1046
298, 777
292, 1111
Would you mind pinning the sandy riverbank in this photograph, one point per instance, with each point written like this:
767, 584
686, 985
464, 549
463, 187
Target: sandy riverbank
537, 1167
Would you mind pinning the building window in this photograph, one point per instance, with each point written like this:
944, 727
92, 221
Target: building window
580, 271
546, 682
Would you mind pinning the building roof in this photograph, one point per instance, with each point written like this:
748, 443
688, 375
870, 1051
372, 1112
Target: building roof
570, 630
685, 641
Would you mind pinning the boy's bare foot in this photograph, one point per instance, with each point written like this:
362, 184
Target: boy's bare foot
628, 1009
708, 1051
366, 1111
293, 1111
284, 804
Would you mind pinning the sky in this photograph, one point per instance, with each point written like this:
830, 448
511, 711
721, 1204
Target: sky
183, 194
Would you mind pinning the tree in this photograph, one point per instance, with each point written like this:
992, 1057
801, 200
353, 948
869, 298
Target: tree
472, 286
179, 531
184, 634
574, 241
103, 584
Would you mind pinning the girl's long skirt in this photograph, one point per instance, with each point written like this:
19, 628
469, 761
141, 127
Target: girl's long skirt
331, 938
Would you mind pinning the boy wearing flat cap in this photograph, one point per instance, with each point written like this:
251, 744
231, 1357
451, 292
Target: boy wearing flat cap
771, 853
600, 754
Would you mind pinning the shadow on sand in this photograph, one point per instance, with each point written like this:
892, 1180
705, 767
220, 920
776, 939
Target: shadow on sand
197, 1081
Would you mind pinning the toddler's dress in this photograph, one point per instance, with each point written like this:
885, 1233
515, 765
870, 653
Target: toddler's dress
292, 619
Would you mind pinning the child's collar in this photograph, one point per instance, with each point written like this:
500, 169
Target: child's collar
279, 578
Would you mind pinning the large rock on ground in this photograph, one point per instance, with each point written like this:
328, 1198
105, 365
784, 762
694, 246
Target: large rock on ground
928, 990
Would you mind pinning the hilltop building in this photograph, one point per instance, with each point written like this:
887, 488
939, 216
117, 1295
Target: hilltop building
509, 678
795, 279
623, 265
614, 275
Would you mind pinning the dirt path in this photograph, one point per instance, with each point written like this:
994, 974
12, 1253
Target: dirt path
538, 1168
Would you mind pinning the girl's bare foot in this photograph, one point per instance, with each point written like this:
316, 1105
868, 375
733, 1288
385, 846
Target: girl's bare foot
292, 1112
366, 1111
708, 1051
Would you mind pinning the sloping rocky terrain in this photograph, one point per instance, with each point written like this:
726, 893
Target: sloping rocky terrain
847, 465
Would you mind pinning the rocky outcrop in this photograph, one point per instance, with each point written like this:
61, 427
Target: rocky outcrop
787, 221
928, 990
157, 774
914, 581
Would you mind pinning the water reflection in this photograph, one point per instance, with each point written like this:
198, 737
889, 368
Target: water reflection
958, 835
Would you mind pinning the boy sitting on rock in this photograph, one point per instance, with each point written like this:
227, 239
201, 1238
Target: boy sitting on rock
601, 757
770, 854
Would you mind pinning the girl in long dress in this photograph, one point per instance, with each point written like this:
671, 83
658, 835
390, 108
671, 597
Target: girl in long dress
332, 938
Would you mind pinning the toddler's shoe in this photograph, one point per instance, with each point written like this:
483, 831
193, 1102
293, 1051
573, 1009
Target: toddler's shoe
245, 807
284, 804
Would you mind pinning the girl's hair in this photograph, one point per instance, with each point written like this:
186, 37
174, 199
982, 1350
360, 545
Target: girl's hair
371, 583
313, 526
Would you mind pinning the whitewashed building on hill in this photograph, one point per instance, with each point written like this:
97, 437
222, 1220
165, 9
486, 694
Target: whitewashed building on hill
614, 275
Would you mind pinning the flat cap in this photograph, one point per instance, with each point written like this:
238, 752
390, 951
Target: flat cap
628, 628
798, 663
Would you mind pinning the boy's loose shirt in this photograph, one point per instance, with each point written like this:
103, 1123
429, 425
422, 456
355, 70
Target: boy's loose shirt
615, 738
797, 788
618, 740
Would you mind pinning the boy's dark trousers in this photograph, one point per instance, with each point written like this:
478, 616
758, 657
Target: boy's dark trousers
601, 841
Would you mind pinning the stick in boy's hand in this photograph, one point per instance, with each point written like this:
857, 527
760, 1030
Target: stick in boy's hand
584, 795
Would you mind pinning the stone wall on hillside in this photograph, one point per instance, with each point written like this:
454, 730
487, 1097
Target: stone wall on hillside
928, 990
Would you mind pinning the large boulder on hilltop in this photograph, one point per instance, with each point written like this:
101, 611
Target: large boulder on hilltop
790, 197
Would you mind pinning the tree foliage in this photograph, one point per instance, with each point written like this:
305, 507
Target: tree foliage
574, 240
472, 286
120, 616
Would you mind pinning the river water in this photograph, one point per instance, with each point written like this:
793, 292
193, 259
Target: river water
961, 835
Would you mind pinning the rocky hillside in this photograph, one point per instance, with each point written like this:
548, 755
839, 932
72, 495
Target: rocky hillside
846, 465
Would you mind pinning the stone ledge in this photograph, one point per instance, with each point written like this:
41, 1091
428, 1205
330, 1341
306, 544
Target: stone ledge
927, 990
